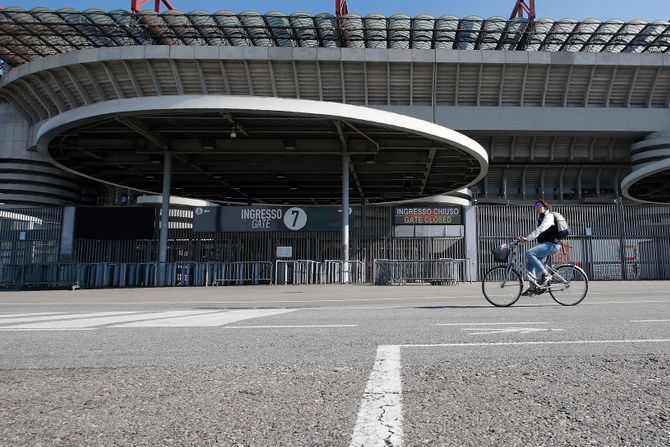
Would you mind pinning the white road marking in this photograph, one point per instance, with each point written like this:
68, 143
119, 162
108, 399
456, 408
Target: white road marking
421, 299
66, 329
293, 326
379, 421
34, 314
649, 321
180, 318
215, 318
505, 330
603, 303
560, 342
490, 324
93, 320
68, 318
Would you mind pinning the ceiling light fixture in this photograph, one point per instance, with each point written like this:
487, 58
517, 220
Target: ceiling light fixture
209, 144
233, 134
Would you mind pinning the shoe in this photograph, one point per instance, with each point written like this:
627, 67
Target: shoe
529, 292
545, 280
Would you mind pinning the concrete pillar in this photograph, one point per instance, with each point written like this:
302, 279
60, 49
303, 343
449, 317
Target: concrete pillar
66, 248
470, 227
165, 219
345, 218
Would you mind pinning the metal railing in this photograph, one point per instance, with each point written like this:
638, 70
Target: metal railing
133, 274
238, 273
333, 272
418, 271
301, 271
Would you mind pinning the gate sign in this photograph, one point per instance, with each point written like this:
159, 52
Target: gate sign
267, 218
427, 215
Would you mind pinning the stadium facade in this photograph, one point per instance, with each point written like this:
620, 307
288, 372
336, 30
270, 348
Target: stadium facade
290, 109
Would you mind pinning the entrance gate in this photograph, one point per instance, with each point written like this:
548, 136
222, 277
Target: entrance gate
610, 241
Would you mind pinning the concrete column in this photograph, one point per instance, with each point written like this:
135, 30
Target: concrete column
66, 248
345, 217
470, 227
165, 218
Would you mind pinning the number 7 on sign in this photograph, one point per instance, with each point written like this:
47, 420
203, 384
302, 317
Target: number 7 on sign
295, 218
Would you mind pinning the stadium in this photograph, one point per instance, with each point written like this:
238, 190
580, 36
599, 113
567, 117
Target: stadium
132, 140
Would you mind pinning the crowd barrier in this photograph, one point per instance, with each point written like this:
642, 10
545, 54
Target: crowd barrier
129, 274
419, 271
331, 271
334, 272
175, 274
238, 273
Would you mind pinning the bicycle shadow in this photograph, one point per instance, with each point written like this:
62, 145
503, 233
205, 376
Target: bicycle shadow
454, 306
482, 306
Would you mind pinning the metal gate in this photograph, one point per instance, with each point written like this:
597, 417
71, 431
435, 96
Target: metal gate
610, 241
32, 236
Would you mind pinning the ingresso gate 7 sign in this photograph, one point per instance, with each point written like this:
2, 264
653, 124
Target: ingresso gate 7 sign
267, 218
427, 215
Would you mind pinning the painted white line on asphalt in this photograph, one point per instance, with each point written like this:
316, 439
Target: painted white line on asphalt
66, 319
215, 318
649, 321
379, 421
425, 299
30, 330
297, 326
489, 324
602, 303
92, 320
517, 343
504, 330
34, 314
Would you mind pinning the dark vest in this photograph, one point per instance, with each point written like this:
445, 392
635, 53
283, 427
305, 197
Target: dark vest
550, 235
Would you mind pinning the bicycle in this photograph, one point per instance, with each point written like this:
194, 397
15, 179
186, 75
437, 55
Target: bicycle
502, 284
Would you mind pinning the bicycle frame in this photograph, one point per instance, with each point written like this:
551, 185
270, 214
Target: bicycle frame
513, 263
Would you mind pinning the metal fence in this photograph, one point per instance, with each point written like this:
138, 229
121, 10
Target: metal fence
32, 236
238, 273
29, 235
420, 271
335, 271
610, 241
306, 271
133, 274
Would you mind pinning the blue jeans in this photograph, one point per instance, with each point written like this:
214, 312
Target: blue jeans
536, 255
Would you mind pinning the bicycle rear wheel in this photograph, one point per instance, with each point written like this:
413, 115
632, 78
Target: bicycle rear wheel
502, 287
569, 285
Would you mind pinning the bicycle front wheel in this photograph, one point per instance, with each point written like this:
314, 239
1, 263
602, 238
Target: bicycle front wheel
569, 285
502, 286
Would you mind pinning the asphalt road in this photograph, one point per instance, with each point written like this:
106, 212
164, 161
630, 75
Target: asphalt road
334, 366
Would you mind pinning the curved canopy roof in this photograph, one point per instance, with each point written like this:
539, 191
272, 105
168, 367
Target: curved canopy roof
262, 150
27, 35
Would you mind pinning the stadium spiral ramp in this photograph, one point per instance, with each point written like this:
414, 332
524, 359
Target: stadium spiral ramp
650, 161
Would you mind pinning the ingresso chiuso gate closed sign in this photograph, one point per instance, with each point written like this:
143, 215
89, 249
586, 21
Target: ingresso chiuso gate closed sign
427, 215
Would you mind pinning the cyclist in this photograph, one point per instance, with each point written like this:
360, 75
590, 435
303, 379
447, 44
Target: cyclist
546, 234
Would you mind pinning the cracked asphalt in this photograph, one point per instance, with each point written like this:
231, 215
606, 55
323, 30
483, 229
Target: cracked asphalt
536, 374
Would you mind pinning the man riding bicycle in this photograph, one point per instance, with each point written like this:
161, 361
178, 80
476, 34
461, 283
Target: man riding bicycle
546, 234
